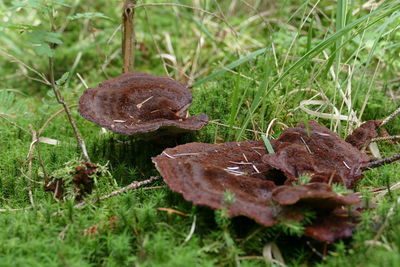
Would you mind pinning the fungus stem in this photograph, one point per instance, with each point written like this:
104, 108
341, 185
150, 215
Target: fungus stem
128, 36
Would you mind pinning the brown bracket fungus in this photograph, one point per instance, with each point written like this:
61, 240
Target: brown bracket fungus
247, 180
363, 134
318, 152
140, 104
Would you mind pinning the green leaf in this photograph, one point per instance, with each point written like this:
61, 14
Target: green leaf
231, 66
38, 4
88, 15
268, 144
43, 50
41, 37
22, 27
41, 40
63, 79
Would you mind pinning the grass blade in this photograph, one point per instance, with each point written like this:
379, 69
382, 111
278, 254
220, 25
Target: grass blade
268, 144
231, 66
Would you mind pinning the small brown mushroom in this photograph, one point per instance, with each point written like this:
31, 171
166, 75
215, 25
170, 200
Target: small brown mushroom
139, 103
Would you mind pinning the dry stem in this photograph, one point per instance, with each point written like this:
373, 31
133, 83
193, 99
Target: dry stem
132, 186
30, 160
380, 162
390, 117
61, 100
4, 116
385, 138
128, 36
52, 118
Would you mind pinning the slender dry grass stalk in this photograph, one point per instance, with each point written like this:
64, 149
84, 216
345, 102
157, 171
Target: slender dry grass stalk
30, 162
52, 117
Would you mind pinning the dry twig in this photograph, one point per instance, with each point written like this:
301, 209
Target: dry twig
132, 186
385, 138
381, 162
61, 100
390, 117
51, 118
4, 117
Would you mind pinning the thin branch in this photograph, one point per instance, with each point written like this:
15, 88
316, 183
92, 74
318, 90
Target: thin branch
30, 162
390, 117
21, 63
61, 100
381, 162
132, 186
128, 36
385, 138
52, 117
41, 163
4, 117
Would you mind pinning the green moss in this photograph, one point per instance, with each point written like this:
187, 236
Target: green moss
142, 235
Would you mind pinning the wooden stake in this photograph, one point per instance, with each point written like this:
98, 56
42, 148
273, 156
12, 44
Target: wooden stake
128, 35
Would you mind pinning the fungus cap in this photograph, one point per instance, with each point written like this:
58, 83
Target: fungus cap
137, 103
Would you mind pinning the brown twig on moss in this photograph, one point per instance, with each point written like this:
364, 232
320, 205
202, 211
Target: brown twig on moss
385, 138
62, 101
390, 117
128, 35
381, 162
132, 186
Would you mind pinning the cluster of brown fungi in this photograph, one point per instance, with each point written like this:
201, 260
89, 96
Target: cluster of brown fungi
266, 185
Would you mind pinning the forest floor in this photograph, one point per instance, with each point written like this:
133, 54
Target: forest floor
252, 66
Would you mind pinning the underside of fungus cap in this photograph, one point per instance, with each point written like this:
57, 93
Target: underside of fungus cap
137, 103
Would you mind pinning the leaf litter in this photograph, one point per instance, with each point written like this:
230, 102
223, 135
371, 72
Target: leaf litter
270, 187
75, 181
